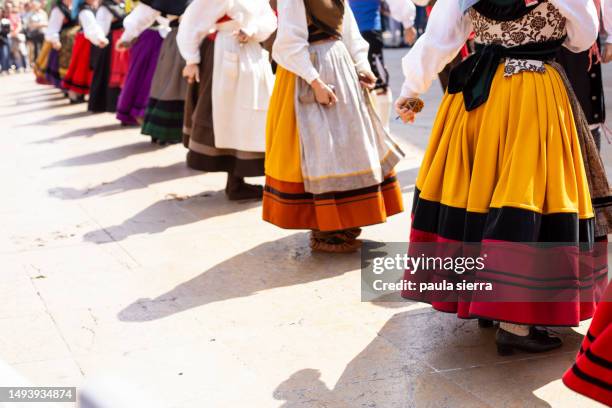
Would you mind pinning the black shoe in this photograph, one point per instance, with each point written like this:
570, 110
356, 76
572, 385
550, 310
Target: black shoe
485, 323
237, 190
538, 341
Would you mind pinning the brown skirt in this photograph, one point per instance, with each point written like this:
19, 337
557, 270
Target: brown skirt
198, 131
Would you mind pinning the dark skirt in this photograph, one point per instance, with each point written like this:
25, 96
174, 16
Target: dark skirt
586, 79
164, 118
102, 98
198, 132
52, 73
134, 96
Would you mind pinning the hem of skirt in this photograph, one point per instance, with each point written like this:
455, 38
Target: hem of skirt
584, 387
225, 164
304, 211
163, 134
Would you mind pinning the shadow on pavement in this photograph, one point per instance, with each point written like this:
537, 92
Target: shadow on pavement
136, 180
172, 212
403, 366
105, 156
275, 264
86, 132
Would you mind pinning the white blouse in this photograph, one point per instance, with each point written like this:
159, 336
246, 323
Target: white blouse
256, 19
141, 18
291, 46
56, 21
92, 30
448, 29
105, 19
403, 11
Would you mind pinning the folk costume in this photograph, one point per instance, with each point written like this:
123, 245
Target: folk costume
368, 16
144, 55
225, 113
164, 115
591, 375
59, 34
510, 164
329, 169
107, 63
78, 78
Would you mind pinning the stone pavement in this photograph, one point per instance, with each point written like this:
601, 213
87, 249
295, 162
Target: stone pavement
118, 261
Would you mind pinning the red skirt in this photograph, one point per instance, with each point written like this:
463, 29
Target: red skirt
79, 75
120, 62
591, 375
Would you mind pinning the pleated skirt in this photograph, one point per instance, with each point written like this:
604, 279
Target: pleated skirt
591, 375
198, 131
286, 202
164, 117
508, 176
79, 76
136, 90
102, 98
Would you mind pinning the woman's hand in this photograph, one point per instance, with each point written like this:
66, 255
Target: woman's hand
324, 94
191, 72
367, 79
410, 36
242, 37
123, 46
607, 53
403, 108
102, 43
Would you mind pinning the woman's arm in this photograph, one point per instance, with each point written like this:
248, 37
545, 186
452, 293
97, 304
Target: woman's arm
105, 19
141, 18
582, 23
196, 23
259, 23
92, 30
447, 31
290, 49
56, 21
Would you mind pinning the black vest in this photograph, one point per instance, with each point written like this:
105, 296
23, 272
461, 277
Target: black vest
504, 10
168, 7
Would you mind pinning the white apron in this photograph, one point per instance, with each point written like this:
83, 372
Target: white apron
241, 91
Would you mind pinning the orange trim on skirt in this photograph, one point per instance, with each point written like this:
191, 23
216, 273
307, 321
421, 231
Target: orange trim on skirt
288, 206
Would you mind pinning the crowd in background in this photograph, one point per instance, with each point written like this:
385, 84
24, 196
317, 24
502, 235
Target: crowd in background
22, 25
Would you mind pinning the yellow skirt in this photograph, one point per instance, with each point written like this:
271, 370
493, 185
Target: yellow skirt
40, 66
519, 150
287, 204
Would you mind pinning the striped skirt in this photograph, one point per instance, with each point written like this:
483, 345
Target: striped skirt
510, 177
286, 202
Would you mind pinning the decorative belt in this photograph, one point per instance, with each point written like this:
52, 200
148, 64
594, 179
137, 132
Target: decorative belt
474, 76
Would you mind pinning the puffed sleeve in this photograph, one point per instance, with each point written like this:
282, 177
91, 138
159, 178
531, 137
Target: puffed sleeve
582, 23
290, 49
196, 23
403, 11
105, 19
56, 21
261, 22
92, 30
447, 31
356, 45
141, 18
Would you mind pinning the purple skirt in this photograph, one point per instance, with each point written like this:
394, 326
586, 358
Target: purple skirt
135, 93
52, 73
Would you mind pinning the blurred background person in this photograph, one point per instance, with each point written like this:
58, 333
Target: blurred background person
35, 22
5, 43
16, 37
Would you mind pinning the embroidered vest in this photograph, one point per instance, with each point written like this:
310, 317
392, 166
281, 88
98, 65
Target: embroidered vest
325, 18
537, 24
